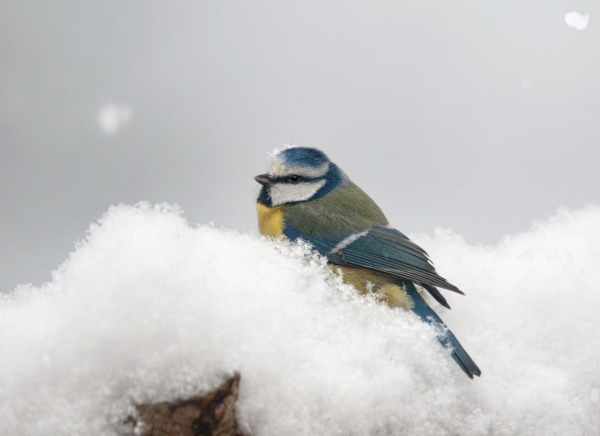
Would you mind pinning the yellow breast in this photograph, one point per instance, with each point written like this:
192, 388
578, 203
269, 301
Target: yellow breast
270, 220
366, 281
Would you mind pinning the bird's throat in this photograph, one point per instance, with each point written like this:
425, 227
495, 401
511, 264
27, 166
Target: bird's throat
270, 220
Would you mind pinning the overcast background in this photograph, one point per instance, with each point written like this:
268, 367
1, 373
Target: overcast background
475, 116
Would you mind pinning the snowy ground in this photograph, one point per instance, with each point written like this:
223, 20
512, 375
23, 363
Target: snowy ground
149, 308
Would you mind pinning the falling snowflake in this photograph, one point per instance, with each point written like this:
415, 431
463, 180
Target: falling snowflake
112, 118
577, 20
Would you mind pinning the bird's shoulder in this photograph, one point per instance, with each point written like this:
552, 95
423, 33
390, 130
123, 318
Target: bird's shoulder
340, 213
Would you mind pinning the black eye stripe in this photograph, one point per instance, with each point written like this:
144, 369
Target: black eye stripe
292, 178
287, 179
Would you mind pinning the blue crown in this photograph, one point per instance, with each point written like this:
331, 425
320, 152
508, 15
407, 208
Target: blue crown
303, 156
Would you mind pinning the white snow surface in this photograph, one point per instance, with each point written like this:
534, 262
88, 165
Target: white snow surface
148, 308
576, 20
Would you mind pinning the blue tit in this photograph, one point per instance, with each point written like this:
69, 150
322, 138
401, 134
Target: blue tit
305, 195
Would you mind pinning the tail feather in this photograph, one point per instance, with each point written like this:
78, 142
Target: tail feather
445, 336
436, 294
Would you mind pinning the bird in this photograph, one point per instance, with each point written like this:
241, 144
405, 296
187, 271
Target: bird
305, 196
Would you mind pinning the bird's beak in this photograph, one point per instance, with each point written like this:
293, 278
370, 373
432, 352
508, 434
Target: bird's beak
263, 179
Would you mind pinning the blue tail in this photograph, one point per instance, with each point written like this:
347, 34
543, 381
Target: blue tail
445, 336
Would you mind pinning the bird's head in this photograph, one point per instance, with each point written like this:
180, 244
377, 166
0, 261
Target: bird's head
298, 174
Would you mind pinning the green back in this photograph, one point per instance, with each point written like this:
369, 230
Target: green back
343, 211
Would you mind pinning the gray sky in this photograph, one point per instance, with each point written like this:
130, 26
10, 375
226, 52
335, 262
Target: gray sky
476, 116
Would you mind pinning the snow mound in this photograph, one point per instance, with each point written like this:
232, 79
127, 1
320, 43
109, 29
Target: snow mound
149, 308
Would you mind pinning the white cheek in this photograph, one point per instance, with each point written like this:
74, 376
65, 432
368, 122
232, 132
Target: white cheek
282, 193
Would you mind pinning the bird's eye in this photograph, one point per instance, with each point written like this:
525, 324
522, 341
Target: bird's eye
294, 178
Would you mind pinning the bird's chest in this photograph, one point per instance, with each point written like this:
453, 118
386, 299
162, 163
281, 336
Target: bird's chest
270, 220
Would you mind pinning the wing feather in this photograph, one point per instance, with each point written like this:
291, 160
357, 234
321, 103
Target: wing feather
388, 251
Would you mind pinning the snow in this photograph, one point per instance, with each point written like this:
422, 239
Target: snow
149, 308
577, 20
112, 117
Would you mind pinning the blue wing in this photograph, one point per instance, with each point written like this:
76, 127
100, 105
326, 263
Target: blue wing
323, 244
381, 249
388, 251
